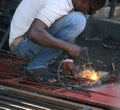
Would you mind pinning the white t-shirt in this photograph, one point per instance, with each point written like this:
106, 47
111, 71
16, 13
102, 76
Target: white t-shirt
46, 10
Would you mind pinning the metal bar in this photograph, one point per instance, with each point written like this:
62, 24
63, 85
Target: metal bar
4, 38
6, 106
112, 9
28, 103
17, 102
34, 104
47, 99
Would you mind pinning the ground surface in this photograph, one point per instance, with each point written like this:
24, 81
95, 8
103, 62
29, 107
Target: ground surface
103, 55
14, 87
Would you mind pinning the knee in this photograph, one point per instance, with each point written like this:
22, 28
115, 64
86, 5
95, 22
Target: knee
78, 20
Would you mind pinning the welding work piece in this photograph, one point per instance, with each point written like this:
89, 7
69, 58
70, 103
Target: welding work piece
88, 77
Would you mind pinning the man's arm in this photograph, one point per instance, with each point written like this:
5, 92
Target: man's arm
38, 34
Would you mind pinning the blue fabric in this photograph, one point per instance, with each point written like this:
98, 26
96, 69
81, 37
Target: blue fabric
67, 28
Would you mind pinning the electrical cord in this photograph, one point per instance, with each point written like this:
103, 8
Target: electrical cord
73, 88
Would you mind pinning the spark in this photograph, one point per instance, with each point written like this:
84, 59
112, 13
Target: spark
90, 74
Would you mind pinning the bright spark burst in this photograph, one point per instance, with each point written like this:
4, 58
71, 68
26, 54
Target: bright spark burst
90, 74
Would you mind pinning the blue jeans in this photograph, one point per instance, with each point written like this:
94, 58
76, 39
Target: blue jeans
66, 28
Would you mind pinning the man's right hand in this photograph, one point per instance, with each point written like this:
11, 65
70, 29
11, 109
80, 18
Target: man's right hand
73, 50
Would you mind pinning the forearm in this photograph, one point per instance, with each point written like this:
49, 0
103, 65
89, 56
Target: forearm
42, 37
38, 34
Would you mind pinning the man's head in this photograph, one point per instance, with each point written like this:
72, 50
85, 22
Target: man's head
88, 6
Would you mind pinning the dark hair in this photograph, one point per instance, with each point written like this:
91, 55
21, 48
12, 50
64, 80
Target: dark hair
99, 3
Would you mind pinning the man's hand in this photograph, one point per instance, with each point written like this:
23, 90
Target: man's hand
68, 68
73, 50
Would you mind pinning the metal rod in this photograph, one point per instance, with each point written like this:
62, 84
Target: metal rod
43, 98
112, 8
4, 38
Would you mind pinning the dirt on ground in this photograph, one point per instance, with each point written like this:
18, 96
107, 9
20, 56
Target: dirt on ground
103, 55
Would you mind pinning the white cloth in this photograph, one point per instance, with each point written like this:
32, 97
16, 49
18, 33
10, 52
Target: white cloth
46, 10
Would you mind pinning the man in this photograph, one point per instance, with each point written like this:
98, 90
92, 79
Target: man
42, 29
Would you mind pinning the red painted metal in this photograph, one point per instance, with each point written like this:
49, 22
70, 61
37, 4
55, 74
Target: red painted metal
11, 74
